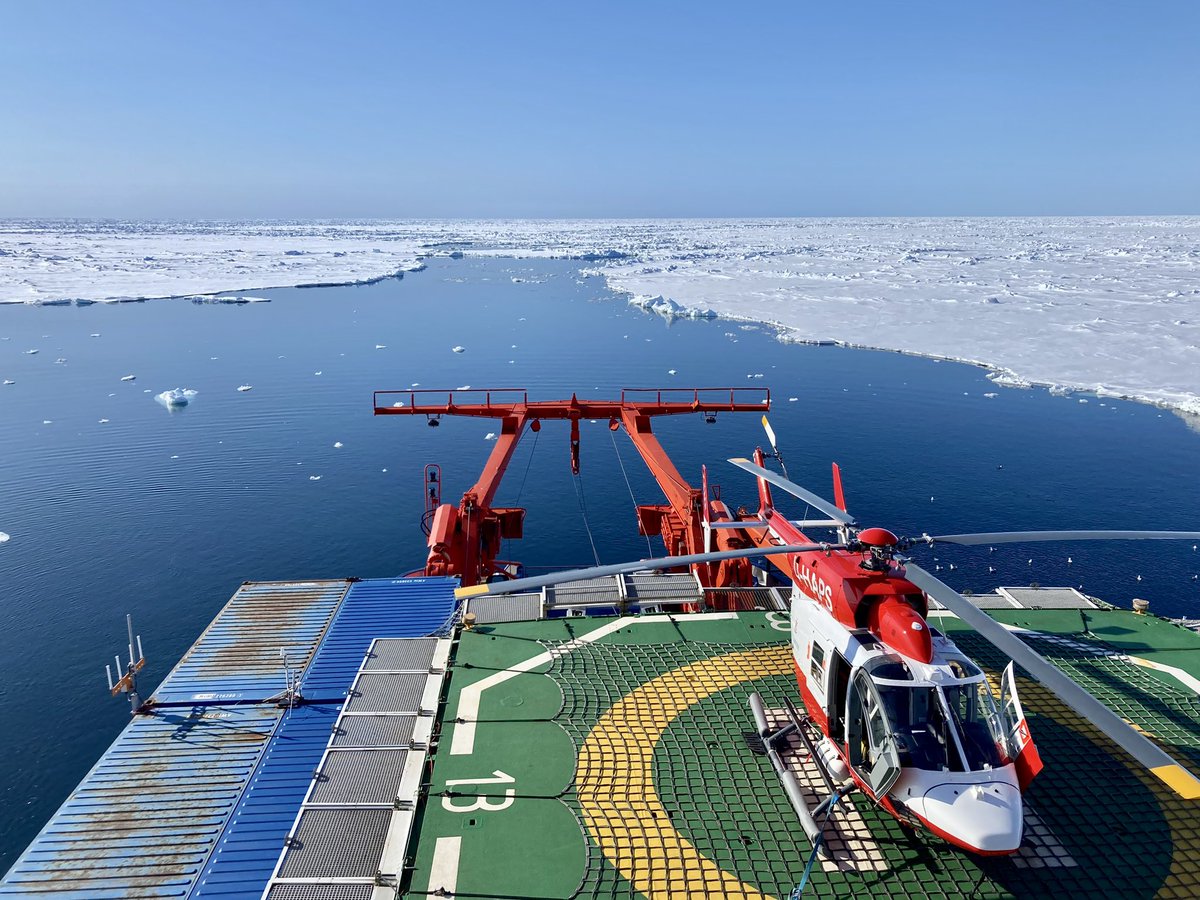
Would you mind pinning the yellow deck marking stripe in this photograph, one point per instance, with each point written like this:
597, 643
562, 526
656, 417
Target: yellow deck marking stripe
615, 779
1180, 780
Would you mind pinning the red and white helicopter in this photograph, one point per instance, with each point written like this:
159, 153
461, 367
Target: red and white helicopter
892, 707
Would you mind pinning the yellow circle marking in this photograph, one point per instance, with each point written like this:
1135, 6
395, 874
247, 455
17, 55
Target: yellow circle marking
615, 779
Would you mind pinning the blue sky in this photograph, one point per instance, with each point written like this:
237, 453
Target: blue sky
391, 109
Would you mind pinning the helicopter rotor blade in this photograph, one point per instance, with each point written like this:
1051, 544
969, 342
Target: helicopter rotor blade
535, 582
1052, 678
1013, 537
795, 490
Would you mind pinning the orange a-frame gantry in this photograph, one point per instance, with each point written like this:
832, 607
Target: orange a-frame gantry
465, 540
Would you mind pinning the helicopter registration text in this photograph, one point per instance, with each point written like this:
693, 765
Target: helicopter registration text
818, 588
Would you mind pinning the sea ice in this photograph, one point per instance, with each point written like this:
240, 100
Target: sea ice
128, 377
459, 349
30, 352
1085, 303
175, 397
242, 388
104, 421
338, 444
5, 537
314, 477
9, 381
381, 346
490, 436
671, 372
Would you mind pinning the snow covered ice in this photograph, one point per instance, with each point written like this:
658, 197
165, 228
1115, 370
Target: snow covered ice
175, 397
1107, 305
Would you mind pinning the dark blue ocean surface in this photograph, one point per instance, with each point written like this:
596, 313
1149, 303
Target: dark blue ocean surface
163, 514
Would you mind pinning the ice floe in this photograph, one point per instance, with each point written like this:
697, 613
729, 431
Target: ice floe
242, 388
459, 349
128, 377
5, 537
338, 444
1089, 304
176, 397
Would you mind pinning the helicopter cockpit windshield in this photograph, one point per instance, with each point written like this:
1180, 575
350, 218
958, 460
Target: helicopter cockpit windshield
952, 725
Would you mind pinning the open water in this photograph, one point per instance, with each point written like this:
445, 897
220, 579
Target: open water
163, 514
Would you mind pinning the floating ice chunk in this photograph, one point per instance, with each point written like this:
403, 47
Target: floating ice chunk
397, 404
381, 346
60, 361
128, 377
513, 347
242, 388
458, 348
385, 470
9, 381
314, 477
991, 395
175, 397
47, 421
338, 444
463, 387
104, 421
792, 399
317, 372
490, 436
94, 334
30, 352
5, 537
175, 456
671, 372
415, 384
1083, 400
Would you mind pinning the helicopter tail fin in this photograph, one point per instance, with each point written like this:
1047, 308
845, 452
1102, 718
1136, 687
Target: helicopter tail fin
838, 497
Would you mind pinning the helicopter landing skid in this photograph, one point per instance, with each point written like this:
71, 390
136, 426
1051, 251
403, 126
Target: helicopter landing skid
774, 742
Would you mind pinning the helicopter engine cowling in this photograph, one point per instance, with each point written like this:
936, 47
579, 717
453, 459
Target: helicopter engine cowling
899, 626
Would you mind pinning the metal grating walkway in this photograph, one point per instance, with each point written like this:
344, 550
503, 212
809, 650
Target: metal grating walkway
354, 826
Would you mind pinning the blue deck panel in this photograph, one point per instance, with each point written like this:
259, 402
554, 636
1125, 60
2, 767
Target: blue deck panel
237, 658
247, 852
252, 841
143, 822
375, 608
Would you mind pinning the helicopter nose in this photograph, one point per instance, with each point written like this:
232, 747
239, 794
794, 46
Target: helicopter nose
985, 818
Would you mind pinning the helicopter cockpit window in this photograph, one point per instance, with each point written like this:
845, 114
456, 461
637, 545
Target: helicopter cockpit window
963, 667
890, 668
978, 723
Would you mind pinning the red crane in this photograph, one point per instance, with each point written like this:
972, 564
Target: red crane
464, 541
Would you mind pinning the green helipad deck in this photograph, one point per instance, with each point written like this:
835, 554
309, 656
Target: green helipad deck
608, 757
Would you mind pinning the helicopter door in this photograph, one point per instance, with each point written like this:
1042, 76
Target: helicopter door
872, 748
1020, 747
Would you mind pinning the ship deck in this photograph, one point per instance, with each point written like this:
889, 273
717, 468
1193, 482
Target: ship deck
609, 758
582, 755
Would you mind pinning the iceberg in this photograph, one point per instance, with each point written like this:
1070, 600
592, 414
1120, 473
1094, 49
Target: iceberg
176, 397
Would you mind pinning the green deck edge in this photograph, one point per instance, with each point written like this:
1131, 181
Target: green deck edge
1129, 837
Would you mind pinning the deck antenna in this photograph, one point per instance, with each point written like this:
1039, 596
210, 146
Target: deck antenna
127, 683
